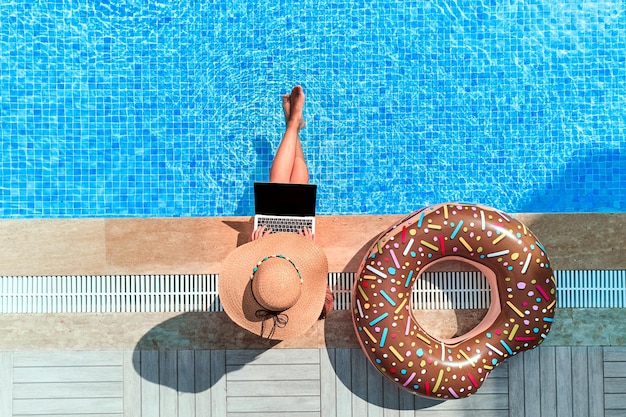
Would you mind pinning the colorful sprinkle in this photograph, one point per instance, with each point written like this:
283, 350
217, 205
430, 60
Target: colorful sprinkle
517, 311
499, 239
396, 353
429, 245
408, 247
388, 298
508, 349
465, 244
543, 292
400, 307
379, 318
496, 254
456, 230
495, 349
376, 271
383, 337
408, 381
439, 378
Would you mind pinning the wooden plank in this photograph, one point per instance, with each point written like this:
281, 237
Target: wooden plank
482, 401
564, 389
596, 381
500, 371
457, 413
497, 382
547, 362
328, 383
580, 382
344, 385
291, 414
358, 383
6, 384
391, 401
186, 382
615, 402
68, 406
243, 356
273, 404
532, 375
168, 383
68, 374
494, 385
132, 383
149, 384
88, 414
406, 404
516, 386
614, 369
475, 402
218, 383
268, 372
614, 385
272, 357
60, 390
374, 392
203, 388
614, 354
427, 405
68, 358
256, 389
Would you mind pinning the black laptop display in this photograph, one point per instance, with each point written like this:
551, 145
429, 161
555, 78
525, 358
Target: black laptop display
284, 207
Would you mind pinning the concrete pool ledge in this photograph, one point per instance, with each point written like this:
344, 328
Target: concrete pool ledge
197, 245
150, 331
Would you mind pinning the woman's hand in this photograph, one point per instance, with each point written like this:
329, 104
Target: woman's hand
306, 232
259, 232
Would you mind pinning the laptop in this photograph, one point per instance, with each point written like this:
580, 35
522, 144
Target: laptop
284, 207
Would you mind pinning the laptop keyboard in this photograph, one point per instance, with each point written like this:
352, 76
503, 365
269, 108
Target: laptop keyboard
278, 224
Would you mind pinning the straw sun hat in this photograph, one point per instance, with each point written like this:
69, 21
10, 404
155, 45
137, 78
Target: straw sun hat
274, 286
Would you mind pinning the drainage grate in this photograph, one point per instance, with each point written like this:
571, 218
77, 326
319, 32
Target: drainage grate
186, 293
593, 288
108, 294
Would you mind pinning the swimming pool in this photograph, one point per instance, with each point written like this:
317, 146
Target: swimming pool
149, 109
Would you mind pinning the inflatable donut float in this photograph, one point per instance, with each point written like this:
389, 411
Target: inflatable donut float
522, 307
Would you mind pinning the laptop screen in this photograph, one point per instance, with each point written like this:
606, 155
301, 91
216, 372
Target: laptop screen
281, 199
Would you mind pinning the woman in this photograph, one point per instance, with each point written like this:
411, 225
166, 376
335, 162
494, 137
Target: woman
289, 165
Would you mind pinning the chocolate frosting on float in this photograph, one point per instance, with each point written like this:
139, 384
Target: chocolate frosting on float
522, 309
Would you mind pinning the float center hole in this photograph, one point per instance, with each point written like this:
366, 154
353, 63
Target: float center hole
450, 299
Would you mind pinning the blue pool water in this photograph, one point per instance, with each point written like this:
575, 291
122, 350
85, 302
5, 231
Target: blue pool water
151, 108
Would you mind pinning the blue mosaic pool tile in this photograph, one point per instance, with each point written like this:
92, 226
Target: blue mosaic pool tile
145, 109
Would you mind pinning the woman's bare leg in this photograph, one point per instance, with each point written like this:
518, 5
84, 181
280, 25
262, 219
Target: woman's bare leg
289, 164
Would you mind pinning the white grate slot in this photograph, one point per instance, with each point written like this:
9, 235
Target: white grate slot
185, 293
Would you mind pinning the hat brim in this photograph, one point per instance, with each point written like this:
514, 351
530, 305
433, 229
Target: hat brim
235, 289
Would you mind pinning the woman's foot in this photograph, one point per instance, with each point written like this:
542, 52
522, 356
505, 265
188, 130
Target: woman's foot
293, 104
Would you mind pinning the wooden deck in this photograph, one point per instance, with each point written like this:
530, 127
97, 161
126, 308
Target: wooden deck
549, 381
